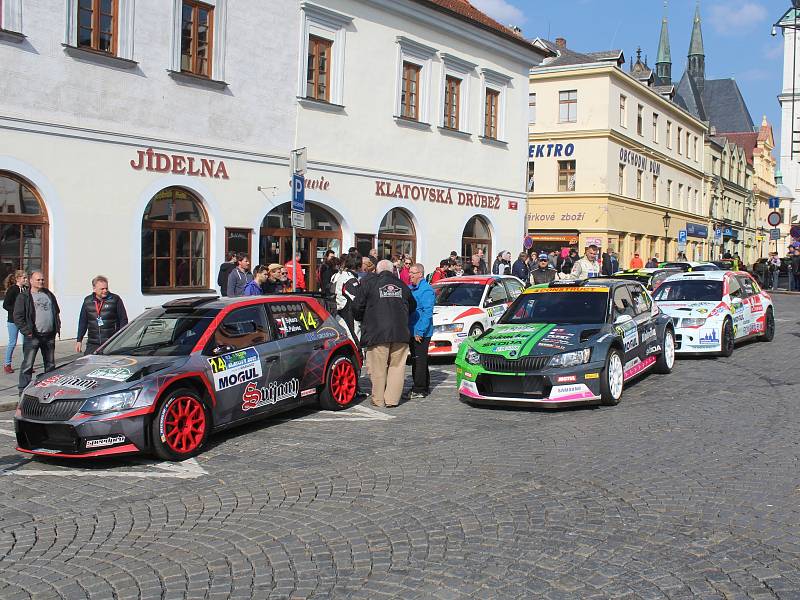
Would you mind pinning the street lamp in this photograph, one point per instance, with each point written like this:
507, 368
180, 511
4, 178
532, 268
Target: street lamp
666, 218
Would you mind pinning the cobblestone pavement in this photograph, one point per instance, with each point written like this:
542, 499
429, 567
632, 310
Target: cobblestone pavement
687, 489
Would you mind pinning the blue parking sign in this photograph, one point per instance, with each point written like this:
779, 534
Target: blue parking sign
682, 236
298, 193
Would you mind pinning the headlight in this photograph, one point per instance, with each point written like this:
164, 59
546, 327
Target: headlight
693, 322
450, 328
571, 359
111, 402
473, 357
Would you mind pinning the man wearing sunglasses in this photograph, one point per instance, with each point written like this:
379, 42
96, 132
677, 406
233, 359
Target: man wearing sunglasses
543, 273
37, 315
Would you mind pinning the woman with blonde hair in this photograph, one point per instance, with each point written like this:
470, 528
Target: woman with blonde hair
14, 284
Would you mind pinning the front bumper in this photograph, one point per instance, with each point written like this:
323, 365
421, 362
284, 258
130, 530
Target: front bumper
83, 436
698, 340
550, 388
446, 344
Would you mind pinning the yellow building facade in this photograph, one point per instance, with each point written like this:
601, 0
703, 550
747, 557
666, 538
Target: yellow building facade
614, 163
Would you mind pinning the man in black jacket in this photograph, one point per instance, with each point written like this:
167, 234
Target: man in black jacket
225, 271
37, 315
383, 304
102, 315
543, 273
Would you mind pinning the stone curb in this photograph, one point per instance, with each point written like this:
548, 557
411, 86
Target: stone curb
8, 405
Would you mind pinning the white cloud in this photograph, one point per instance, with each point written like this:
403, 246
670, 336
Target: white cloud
500, 10
727, 19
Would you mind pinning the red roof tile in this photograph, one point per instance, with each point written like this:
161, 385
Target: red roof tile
463, 10
746, 140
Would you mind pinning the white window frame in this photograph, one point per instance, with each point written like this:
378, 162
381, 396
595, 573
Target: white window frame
453, 66
416, 53
498, 82
124, 25
623, 111
11, 16
655, 128
329, 25
217, 43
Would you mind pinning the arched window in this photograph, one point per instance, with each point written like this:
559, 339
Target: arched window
397, 235
321, 232
23, 227
476, 237
174, 243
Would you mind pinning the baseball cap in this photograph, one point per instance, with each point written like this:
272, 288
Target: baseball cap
543, 256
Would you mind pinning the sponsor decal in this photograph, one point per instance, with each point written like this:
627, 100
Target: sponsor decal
390, 290
322, 334
629, 334
567, 379
235, 368
570, 392
592, 376
46, 451
308, 392
462, 335
519, 329
506, 349
255, 397
701, 311
468, 374
710, 337
631, 370
106, 441
648, 335
653, 349
552, 345
67, 381
111, 373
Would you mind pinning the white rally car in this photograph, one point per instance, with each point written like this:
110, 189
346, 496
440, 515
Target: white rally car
712, 310
468, 306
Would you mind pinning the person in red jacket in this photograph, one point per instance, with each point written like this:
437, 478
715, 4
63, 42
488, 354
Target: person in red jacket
440, 272
636, 261
293, 267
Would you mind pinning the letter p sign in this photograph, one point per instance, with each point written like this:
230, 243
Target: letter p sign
298, 193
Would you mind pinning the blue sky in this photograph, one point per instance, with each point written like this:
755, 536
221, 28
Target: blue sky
736, 36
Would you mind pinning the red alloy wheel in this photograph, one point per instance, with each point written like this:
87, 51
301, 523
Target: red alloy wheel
185, 425
343, 382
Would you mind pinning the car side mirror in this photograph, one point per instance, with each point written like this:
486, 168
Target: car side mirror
623, 319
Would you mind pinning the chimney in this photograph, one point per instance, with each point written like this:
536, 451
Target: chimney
561, 42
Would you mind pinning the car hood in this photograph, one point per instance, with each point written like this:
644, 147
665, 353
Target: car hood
95, 375
513, 341
688, 310
443, 315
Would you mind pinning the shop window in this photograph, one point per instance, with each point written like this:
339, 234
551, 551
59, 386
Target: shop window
397, 235
196, 38
568, 106
23, 228
175, 243
364, 243
566, 176
237, 241
319, 68
97, 25
476, 236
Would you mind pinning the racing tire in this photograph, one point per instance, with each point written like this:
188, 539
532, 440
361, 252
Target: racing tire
769, 326
341, 384
476, 330
181, 425
666, 360
728, 339
612, 379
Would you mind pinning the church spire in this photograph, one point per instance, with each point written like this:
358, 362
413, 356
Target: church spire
664, 58
697, 54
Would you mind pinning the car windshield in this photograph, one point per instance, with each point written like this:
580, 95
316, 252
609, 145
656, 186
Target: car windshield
159, 333
688, 289
458, 294
568, 308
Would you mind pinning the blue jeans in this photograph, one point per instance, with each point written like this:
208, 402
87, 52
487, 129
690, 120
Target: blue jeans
13, 332
775, 276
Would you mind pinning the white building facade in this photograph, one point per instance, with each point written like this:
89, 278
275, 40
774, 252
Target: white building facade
147, 142
789, 99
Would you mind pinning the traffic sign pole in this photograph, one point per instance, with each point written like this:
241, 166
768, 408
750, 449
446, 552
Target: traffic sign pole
298, 203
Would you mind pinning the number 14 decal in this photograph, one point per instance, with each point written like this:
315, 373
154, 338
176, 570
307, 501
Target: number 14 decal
308, 320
